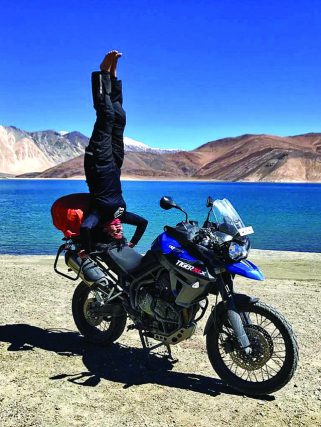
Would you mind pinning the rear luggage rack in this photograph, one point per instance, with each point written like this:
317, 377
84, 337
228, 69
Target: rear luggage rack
62, 248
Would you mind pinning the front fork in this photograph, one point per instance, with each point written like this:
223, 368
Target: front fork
226, 290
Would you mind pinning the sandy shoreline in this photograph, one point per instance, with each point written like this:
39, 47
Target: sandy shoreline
49, 376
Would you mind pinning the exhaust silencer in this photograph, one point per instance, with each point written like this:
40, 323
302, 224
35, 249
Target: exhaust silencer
90, 272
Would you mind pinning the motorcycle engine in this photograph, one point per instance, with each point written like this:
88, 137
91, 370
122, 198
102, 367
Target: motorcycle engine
158, 302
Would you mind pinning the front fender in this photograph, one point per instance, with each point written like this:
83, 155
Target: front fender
247, 269
241, 302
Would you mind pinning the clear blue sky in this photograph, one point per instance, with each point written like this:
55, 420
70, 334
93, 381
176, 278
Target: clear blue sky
193, 71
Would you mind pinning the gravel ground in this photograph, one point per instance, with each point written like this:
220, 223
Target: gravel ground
50, 377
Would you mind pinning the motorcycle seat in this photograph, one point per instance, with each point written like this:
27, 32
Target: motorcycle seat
126, 258
148, 262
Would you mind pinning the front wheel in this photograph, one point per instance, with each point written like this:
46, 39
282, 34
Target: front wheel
274, 351
98, 329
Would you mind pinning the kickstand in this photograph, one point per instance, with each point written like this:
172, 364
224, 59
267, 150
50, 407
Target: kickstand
169, 356
148, 348
143, 340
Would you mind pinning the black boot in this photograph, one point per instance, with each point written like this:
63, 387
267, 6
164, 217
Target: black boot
100, 85
116, 91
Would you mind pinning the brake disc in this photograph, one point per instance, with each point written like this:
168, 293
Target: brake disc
262, 349
90, 312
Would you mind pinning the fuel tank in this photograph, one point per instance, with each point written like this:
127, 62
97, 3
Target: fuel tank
178, 256
193, 280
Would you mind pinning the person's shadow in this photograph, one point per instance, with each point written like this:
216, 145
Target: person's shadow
118, 363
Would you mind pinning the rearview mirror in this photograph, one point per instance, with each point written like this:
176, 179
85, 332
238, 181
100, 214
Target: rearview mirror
166, 202
209, 202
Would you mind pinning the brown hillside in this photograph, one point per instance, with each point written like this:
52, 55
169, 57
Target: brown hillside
243, 158
73, 167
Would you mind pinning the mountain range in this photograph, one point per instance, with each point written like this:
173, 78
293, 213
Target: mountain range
31, 152
50, 154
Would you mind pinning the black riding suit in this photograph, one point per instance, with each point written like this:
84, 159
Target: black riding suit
104, 157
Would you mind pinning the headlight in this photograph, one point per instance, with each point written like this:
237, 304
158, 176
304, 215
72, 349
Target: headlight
237, 252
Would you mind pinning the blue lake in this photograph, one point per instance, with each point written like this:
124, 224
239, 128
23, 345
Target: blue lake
284, 216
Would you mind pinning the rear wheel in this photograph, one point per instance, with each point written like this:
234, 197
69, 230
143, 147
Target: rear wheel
274, 356
96, 328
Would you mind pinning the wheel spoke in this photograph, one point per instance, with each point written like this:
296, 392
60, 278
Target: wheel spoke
231, 366
277, 335
264, 324
267, 371
277, 363
255, 376
262, 374
275, 356
278, 339
270, 367
242, 374
237, 367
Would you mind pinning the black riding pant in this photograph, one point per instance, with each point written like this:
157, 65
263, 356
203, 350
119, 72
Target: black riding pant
105, 153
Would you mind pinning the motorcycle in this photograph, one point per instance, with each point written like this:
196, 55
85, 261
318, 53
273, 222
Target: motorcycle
164, 293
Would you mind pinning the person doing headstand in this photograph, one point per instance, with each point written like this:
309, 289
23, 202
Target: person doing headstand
104, 157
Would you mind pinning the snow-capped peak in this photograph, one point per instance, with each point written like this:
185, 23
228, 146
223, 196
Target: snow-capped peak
133, 145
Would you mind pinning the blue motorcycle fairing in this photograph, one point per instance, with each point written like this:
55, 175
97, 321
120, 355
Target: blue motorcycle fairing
167, 245
246, 269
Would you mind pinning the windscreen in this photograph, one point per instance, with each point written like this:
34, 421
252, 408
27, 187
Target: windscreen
228, 220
